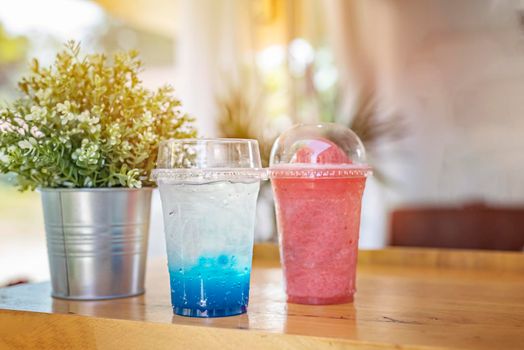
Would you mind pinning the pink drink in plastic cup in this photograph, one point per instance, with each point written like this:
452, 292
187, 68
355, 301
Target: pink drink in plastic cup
318, 216
318, 221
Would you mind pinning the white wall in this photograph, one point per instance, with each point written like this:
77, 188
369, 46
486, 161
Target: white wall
459, 82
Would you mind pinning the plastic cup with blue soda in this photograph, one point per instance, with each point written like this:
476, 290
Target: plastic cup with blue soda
209, 190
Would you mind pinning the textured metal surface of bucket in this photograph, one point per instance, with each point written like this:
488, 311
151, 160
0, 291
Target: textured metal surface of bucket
97, 241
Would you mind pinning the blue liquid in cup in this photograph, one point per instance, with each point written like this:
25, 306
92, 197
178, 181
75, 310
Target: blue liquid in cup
213, 288
209, 236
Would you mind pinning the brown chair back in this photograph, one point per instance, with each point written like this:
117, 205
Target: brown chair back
470, 227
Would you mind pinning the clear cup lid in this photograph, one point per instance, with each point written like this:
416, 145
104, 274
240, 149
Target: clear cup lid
324, 150
208, 160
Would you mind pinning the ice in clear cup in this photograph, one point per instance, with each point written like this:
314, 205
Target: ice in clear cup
318, 174
209, 189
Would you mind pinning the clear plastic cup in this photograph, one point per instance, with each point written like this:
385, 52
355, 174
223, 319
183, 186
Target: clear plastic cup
318, 173
209, 189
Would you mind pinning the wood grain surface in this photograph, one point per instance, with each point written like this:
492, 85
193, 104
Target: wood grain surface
406, 299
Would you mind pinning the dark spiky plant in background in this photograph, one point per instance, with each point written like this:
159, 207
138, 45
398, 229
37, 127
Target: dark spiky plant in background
241, 116
373, 128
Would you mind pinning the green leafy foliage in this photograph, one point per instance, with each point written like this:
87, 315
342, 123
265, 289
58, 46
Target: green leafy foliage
87, 121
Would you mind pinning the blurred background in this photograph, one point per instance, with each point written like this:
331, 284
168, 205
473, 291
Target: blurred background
433, 87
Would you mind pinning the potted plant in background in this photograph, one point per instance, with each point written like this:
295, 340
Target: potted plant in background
85, 133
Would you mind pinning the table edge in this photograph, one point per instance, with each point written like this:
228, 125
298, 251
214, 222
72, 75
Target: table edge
23, 328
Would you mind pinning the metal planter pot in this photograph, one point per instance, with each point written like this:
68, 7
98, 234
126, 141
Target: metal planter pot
97, 241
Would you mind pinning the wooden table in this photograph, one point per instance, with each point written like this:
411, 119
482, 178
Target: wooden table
407, 299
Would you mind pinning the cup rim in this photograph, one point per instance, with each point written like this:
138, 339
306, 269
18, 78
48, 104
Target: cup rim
209, 174
319, 171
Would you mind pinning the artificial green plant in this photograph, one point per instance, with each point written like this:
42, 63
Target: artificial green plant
87, 121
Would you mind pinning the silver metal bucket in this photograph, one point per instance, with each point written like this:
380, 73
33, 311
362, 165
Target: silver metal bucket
97, 241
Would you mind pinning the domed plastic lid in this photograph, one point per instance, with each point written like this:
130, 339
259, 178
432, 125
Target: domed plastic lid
324, 150
208, 160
